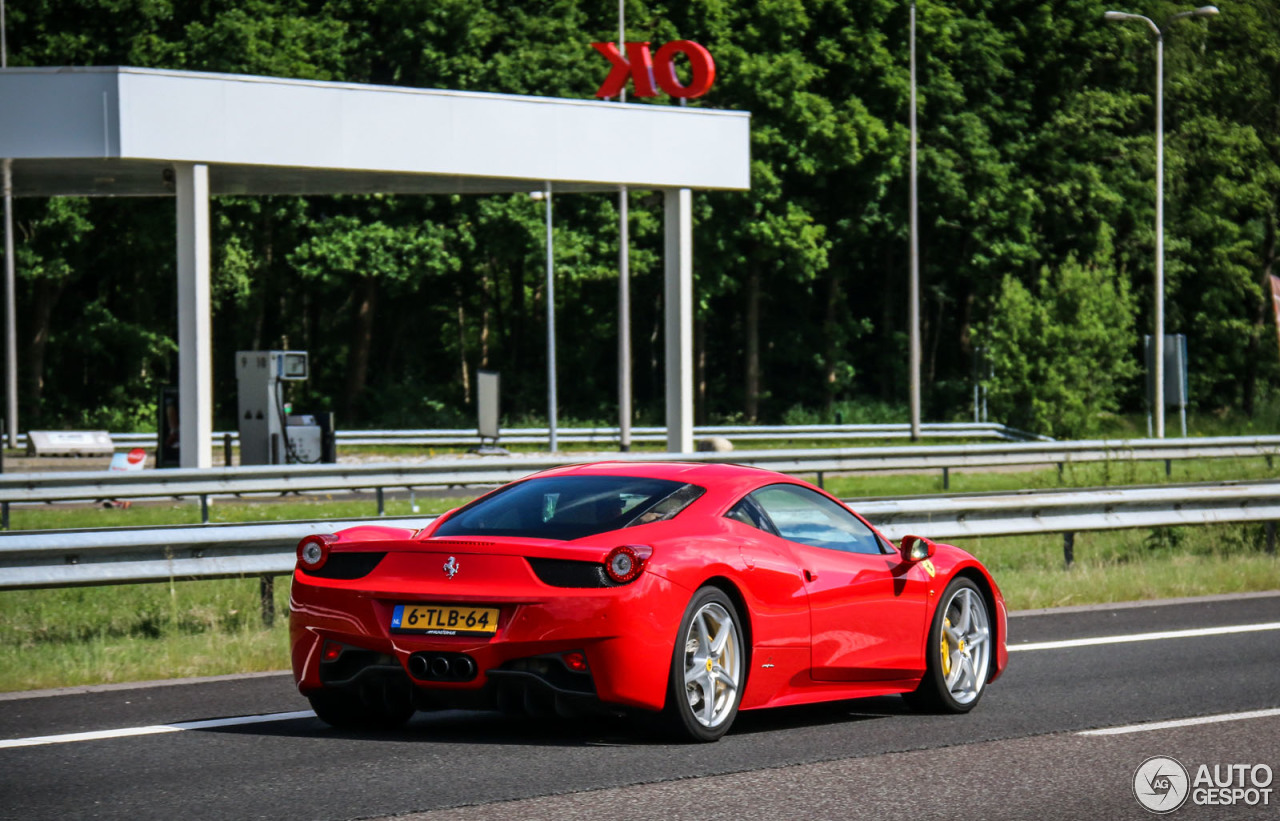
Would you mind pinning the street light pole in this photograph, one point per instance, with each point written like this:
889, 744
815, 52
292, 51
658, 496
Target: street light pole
545, 196
624, 282
551, 328
10, 279
913, 309
1158, 340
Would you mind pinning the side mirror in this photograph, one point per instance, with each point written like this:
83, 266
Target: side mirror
917, 548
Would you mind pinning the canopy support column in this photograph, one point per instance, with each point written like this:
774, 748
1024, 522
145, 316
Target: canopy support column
678, 301
195, 336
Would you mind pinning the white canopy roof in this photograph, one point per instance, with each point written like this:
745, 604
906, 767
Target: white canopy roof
116, 130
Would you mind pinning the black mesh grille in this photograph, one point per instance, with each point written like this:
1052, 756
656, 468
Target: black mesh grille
569, 573
348, 565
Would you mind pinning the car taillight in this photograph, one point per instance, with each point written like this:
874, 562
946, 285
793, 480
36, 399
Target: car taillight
576, 661
313, 551
625, 562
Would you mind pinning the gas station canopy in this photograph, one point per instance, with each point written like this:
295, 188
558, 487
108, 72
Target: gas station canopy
119, 131
116, 130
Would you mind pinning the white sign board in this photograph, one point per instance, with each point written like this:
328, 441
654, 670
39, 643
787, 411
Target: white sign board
69, 443
487, 389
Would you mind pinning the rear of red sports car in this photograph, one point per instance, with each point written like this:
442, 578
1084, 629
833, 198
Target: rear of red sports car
384, 620
650, 586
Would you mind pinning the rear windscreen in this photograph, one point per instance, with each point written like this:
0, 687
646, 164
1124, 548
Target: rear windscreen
570, 507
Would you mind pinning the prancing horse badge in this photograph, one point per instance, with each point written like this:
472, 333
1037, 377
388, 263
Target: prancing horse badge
451, 567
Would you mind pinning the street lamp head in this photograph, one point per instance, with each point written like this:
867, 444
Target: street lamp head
1203, 11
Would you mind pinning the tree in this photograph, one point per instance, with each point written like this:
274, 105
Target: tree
1061, 353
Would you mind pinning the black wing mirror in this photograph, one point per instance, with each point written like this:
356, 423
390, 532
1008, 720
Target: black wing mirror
917, 548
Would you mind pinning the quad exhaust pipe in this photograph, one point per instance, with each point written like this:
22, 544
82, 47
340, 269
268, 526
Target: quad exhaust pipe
442, 667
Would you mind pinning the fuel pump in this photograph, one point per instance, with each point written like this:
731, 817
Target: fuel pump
270, 433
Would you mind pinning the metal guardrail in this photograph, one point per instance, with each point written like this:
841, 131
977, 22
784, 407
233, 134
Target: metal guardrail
31, 559
68, 558
490, 470
454, 437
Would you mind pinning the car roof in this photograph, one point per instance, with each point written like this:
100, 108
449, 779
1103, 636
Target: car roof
719, 478
674, 470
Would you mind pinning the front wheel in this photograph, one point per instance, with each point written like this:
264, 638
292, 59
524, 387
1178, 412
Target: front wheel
958, 655
708, 668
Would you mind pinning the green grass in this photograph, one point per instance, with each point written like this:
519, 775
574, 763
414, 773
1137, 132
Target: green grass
1128, 565
151, 514
1097, 474
93, 635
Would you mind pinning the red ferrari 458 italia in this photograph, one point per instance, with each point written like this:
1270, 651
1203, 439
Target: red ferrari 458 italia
686, 590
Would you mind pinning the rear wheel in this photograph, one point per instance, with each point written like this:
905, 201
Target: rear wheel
958, 655
708, 668
378, 707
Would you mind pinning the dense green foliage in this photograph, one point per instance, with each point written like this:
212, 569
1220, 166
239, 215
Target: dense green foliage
1036, 191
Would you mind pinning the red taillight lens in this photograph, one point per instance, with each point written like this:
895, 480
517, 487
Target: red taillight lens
576, 661
626, 562
313, 551
331, 651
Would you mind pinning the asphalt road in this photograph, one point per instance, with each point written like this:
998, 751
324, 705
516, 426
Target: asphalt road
1018, 755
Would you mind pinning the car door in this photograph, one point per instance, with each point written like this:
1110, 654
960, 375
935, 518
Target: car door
867, 608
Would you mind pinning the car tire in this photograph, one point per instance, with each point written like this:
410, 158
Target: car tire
386, 707
958, 653
708, 669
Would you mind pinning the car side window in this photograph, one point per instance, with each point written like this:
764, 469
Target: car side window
805, 516
748, 513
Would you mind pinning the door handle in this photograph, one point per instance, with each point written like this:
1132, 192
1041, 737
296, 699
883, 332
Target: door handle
809, 575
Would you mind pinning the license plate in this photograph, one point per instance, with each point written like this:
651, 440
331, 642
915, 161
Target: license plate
444, 620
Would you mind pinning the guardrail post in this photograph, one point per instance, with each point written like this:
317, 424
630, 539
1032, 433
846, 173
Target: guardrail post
820, 479
1069, 547
4, 516
382, 508
267, 597
204, 508
1168, 467
946, 478
226, 449
1271, 537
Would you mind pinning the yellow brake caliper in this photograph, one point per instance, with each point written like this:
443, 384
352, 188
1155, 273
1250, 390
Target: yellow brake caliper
946, 650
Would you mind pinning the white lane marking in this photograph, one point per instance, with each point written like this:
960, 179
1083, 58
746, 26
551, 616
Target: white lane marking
154, 729
1169, 634
1182, 722
157, 729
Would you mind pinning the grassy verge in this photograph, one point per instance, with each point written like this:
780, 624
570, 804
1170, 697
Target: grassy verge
1129, 565
1096, 474
151, 514
94, 635
58, 638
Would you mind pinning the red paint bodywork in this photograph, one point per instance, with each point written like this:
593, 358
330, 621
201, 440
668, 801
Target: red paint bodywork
821, 624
